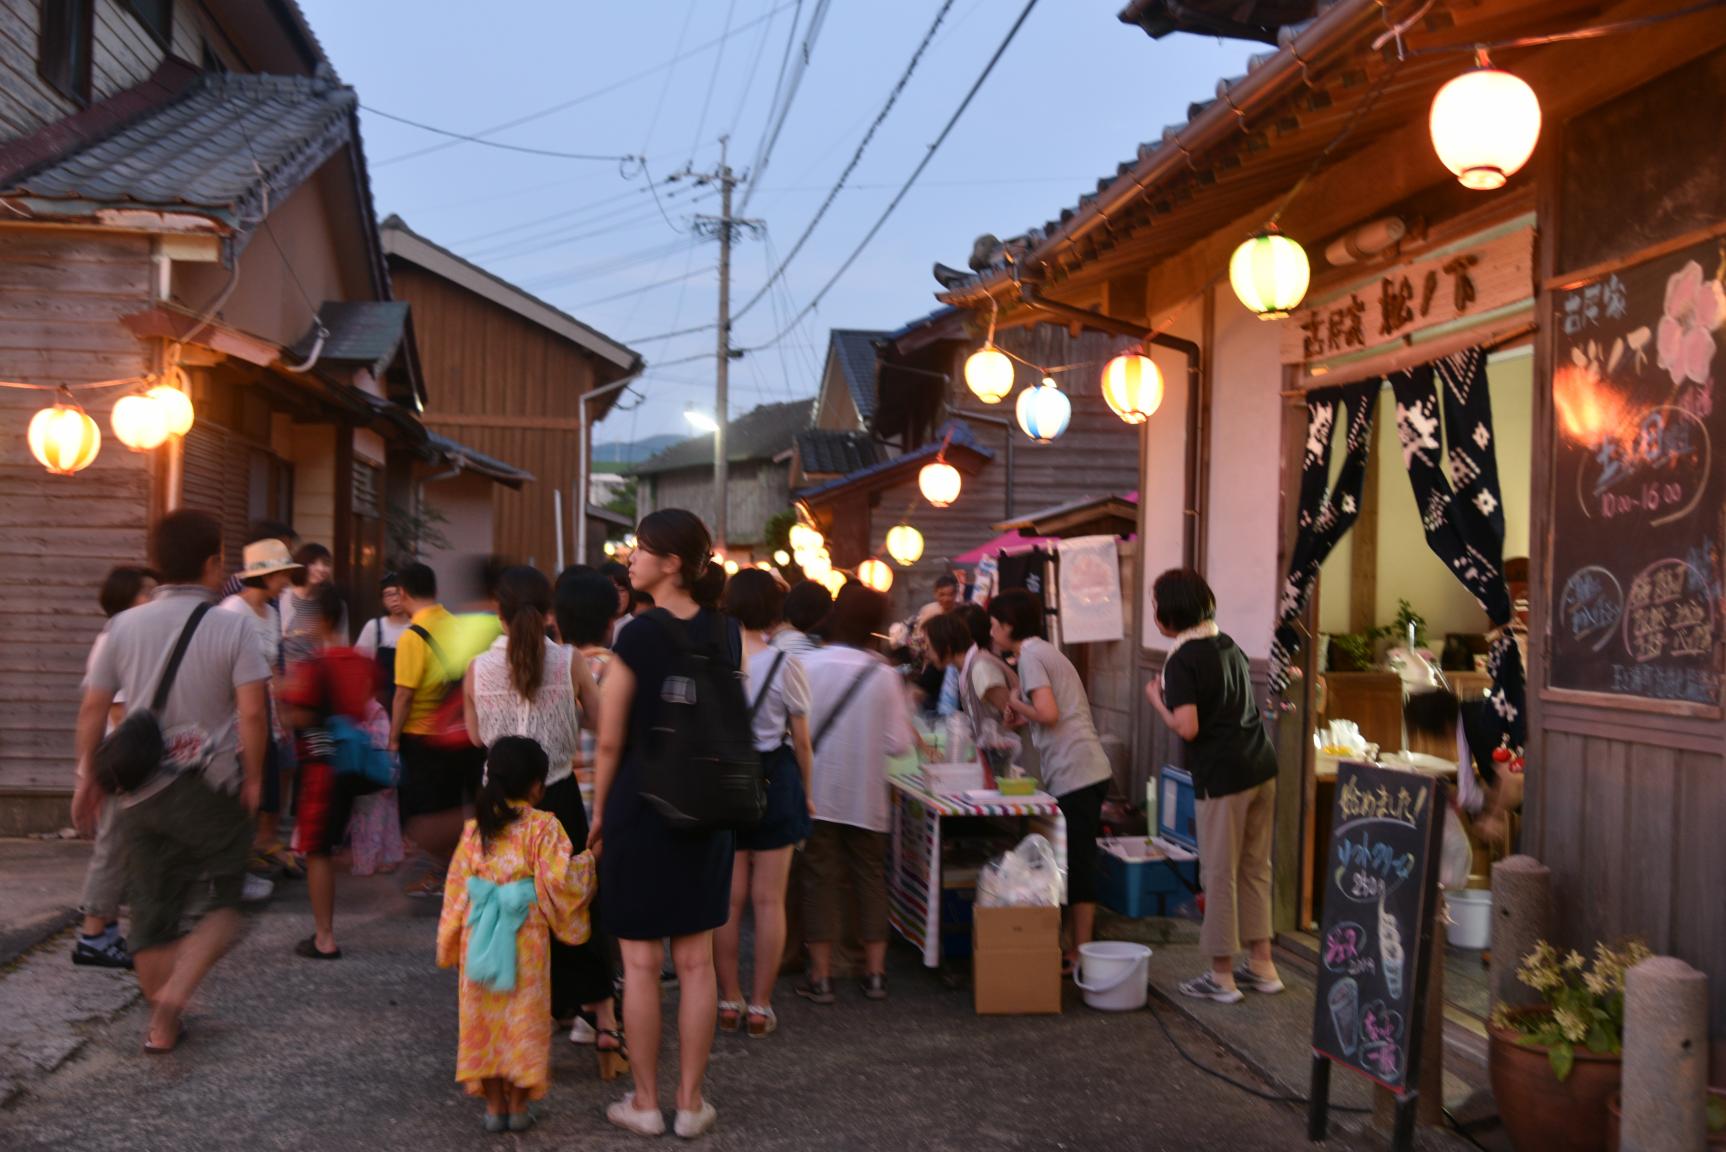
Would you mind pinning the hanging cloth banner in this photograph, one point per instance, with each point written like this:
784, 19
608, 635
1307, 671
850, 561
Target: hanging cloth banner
1326, 512
1462, 515
1089, 577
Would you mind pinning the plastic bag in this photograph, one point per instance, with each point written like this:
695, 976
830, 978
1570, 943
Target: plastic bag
1457, 857
1027, 877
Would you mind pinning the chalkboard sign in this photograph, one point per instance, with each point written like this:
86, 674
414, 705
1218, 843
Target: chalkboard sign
1636, 531
1381, 881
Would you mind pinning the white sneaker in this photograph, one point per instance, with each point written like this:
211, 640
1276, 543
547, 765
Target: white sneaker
624, 1115
581, 1032
256, 889
1245, 977
698, 1123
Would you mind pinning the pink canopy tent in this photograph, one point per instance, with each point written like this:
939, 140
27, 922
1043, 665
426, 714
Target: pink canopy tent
1006, 542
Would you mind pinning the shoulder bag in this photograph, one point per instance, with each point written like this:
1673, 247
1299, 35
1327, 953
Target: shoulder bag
132, 753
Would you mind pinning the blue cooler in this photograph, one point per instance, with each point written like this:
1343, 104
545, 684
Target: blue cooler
1177, 819
1139, 887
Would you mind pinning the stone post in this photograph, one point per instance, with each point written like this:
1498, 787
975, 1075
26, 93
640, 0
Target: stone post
1665, 1096
1521, 913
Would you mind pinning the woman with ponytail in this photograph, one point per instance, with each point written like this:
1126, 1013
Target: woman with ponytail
527, 685
514, 885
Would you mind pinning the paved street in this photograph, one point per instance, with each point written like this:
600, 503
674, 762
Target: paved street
358, 1054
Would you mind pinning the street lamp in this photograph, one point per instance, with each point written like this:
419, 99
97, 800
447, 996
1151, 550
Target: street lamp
701, 421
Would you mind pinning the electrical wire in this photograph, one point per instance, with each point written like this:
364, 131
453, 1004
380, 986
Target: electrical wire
562, 214
593, 94
665, 89
911, 180
749, 77
712, 82
657, 284
669, 335
770, 139
1260, 1093
471, 139
893, 95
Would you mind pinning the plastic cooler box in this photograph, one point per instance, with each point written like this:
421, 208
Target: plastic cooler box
1135, 883
1177, 819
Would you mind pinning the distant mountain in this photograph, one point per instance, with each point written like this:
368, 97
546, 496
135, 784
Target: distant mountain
632, 451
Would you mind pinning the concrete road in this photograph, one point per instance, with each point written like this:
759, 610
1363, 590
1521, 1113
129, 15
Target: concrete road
359, 1054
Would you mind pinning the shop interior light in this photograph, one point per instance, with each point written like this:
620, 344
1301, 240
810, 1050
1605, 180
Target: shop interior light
1133, 387
1044, 411
904, 544
1270, 274
139, 422
1485, 124
872, 573
63, 438
939, 482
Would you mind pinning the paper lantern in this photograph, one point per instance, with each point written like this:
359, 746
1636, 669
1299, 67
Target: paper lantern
1133, 387
175, 402
63, 438
817, 565
782, 558
1485, 124
874, 574
805, 539
833, 581
1270, 274
139, 422
731, 567
904, 544
989, 374
939, 482
1043, 411
611, 547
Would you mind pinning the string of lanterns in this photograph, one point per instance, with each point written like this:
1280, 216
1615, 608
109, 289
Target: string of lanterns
65, 439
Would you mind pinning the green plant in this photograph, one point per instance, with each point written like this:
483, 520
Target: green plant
1351, 651
1716, 1114
776, 533
1581, 1003
1397, 630
413, 532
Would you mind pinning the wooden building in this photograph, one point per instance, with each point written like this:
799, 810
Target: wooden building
1614, 231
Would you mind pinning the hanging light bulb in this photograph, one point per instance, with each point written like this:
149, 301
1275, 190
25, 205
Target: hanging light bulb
139, 422
63, 438
1270, 274
1043, 411
805, 539
904, 544
1133, 387
874, 574
833, 581
176, 402
1485, 124
939, 482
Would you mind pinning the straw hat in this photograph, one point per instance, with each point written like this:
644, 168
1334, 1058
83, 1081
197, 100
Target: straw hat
266, 557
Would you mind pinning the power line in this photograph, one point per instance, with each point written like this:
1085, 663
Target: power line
887, 212
669, 335
749, 77
712, 82
856, 157
590, 95
470, 139
562, 214
770, 138
665, 89
644, 288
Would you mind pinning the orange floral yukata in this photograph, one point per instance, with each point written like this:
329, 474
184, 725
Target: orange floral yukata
507, 1035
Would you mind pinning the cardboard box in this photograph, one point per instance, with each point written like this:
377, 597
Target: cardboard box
1016, 961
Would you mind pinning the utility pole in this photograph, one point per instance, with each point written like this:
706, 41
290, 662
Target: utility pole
726, 227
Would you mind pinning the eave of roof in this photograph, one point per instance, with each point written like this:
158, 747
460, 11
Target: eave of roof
405, 244
962, 449
1061, 519
459, 455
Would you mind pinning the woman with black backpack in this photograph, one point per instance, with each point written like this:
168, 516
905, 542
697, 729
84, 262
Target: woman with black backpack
655, 880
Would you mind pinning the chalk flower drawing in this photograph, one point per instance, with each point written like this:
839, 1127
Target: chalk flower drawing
1694, 308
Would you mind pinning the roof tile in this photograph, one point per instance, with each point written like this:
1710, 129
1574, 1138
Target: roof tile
760, 434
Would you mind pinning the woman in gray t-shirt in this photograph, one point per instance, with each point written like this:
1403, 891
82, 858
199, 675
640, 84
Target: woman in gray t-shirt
1075, 769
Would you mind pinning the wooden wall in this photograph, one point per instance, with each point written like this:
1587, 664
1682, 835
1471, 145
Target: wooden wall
756, 492
505, 386
61, 293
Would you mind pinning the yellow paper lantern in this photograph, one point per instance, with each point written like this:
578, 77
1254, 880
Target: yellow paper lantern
176, 406
1133, 387
139, 422
833, 581
816, 565
904, 544
782, 558
1270, 274
989, 374
731, 567
63, 438
874, 574
939, 482
805, 539
611, 547
1485, 124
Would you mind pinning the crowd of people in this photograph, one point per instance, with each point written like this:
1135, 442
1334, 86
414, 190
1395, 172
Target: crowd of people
513, 755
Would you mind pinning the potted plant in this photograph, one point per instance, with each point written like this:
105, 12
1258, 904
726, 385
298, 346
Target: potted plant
1555, 1064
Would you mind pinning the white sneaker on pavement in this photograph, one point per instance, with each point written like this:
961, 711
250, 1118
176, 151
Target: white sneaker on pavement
698, 1123
1206, 988
256, 889
623, 1114
1246, 978
581, 1032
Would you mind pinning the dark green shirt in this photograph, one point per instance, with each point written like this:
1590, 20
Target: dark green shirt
1231, 752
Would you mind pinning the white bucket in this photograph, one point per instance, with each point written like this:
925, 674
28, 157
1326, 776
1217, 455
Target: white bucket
1115, 976
1470, 917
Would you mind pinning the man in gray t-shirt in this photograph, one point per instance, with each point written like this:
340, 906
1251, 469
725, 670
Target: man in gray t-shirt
193, 818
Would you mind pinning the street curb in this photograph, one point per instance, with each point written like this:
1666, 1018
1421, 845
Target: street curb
17, 942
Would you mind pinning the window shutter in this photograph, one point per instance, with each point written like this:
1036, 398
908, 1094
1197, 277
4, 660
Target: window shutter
216, 478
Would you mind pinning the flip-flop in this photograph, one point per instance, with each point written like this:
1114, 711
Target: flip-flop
308, 948
159, 1050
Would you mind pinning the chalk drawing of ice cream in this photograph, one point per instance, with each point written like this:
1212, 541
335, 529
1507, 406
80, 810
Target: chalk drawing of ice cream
1345, 1013
1390, 951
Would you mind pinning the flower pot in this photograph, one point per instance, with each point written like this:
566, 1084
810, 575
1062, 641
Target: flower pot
1539, 1112
1615, 1116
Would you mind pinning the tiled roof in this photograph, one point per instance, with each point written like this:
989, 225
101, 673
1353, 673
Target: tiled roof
1238, 19
854, 348
825, 451
366, 332
231, 147
461, 455
961, 437
760, 434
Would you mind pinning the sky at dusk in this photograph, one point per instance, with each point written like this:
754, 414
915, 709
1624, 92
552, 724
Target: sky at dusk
612, 241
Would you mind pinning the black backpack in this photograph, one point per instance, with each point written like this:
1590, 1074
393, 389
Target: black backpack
700, 770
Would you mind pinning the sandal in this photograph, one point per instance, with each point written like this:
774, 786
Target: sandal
613, 1056
763, 1021
730, 1015
308, 948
